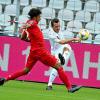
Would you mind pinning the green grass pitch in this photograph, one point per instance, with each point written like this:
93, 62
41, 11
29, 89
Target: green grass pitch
20, 90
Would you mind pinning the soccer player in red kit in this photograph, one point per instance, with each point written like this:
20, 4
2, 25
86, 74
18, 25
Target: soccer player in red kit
38, 51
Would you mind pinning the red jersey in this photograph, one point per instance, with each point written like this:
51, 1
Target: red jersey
38, 50
35, 35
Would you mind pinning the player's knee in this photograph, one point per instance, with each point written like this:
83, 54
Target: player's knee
57, 65
66, 49
26, 70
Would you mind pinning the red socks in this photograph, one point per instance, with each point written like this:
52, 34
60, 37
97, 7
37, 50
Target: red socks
15, 75
64, 78
60, 70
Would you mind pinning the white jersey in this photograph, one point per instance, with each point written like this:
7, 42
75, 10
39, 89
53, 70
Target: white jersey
54, 38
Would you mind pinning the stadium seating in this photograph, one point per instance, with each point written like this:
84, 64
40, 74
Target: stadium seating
93, 27
75, 5
22, 19
62, 24
74, 26
96, 17
66, 15
68, 34
10, 29
57, 4
97, 39
22, 2
83, 16
38, 3
48, 13
42, 24
0, 28
5, 1
0, 9
45, 33
4, 20
10, 10
73, 14
91, 6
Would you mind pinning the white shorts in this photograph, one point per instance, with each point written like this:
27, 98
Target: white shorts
60, 49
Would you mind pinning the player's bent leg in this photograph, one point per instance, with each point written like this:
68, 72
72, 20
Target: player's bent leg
14, 75
50, 60
66, 54
18, 74
59, 54
63, 76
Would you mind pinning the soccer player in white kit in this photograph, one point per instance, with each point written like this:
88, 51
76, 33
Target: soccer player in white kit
58, 48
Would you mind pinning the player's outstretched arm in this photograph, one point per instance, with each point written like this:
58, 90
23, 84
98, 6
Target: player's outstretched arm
64, 41
24, 34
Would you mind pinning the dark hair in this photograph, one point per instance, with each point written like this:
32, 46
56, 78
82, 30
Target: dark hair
34, 12
55, 20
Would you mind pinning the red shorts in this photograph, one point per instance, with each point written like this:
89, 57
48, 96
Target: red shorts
40, 55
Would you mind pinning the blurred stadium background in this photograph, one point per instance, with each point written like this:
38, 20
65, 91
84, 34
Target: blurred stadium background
74, 15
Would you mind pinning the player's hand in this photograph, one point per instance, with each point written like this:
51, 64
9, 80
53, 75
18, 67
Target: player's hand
77, 39
24, 36
27, 39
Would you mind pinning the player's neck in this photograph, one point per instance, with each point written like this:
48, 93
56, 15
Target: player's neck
34, 18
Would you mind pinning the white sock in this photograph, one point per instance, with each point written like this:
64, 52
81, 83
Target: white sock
52, 77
